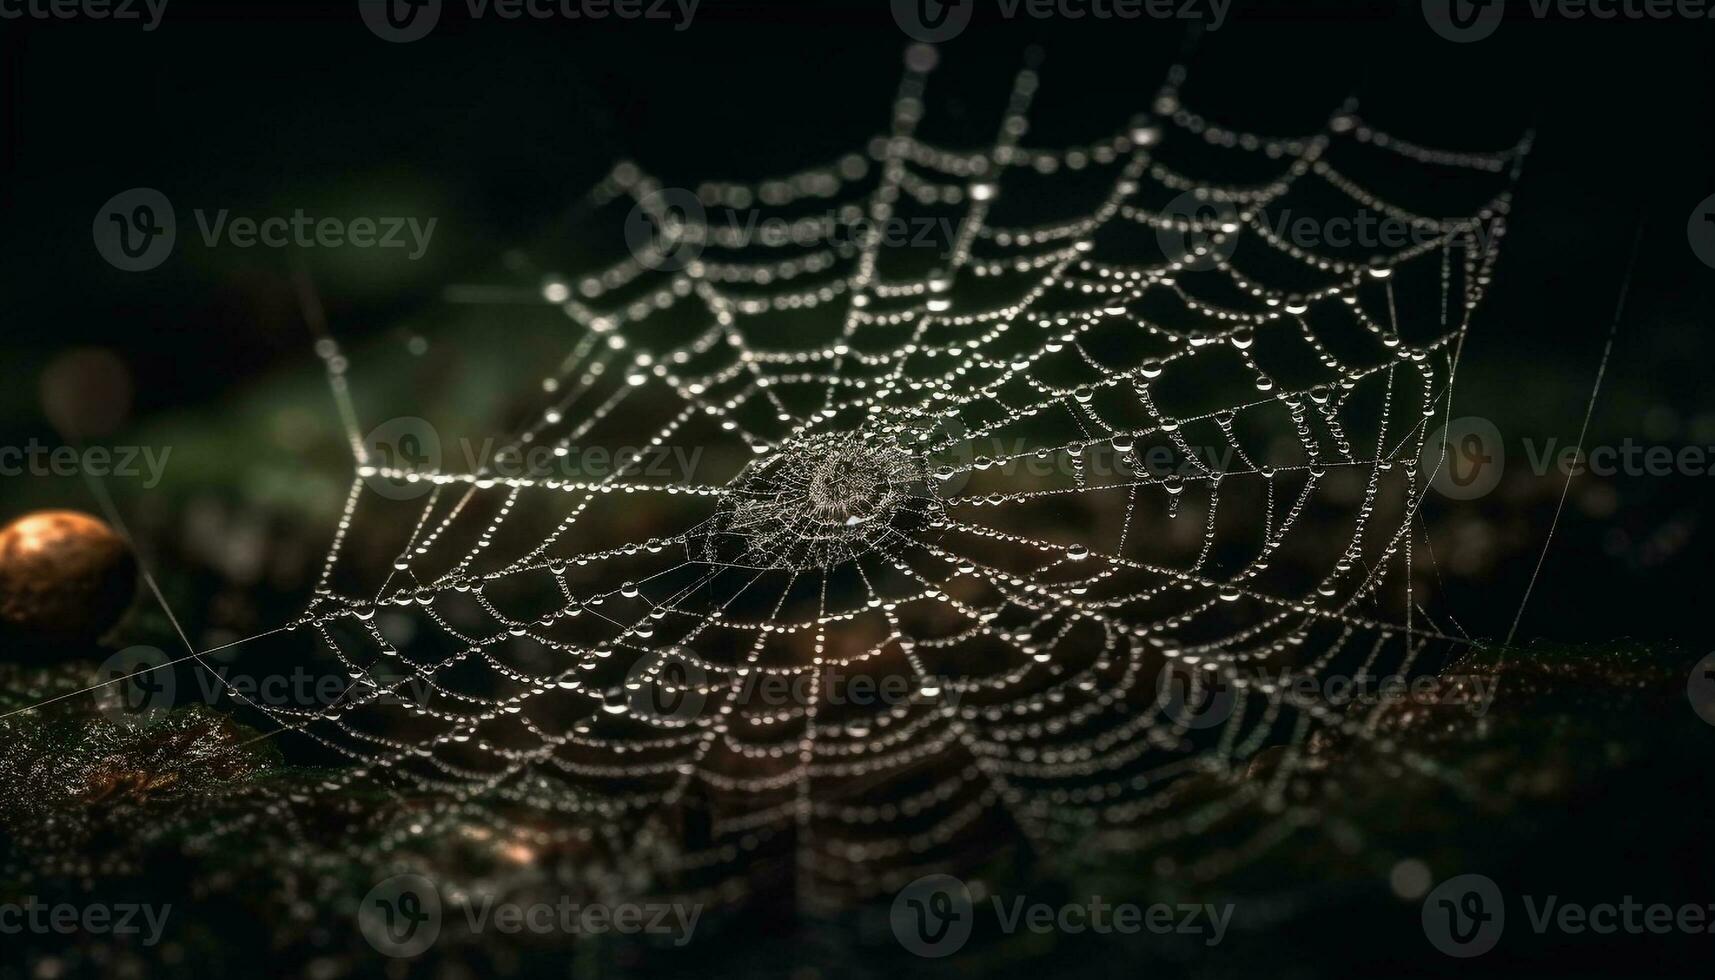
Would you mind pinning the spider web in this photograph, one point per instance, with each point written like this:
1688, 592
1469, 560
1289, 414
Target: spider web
1119, 451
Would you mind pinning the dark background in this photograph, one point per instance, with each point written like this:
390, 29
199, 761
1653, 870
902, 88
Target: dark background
496, 128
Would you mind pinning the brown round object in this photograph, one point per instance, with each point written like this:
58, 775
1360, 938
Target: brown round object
64, 577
